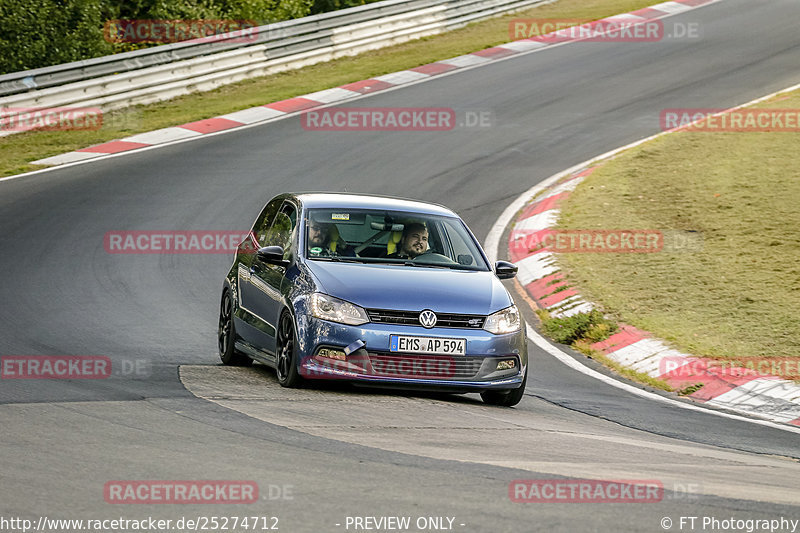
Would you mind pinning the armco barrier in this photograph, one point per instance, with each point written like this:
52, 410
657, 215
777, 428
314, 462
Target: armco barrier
163, 72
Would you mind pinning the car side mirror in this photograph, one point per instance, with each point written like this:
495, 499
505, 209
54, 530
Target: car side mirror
272, 255
505, 270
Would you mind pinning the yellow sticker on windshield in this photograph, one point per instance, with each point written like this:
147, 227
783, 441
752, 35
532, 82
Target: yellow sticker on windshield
340, 216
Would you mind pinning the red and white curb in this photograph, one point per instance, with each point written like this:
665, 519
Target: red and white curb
739, 389
284, 108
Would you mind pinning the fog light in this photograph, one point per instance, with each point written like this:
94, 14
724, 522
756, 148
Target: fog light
330, 353
508, 364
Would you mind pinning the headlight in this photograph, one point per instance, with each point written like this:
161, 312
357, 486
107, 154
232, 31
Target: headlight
336, 310
505, 321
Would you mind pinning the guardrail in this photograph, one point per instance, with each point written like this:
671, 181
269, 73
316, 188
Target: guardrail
163, 72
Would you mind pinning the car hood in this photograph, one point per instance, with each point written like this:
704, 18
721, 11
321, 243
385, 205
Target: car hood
409, 288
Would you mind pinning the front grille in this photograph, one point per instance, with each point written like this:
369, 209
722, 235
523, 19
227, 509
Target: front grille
425, 366
411, 318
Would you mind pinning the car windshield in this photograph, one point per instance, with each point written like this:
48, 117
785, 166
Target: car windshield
391, 237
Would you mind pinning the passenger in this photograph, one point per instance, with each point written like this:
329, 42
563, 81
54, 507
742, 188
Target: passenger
323, 240
414, 242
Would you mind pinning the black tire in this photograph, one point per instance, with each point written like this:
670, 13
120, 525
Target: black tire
226, 335
505, 398
286, 348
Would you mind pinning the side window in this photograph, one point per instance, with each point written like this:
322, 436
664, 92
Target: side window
435, 242
264, 221
282, 229
461, 250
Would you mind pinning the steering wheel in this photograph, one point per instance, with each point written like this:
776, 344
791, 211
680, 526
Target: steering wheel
433, 258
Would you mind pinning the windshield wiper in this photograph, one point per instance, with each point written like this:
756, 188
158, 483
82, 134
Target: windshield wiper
379, 261
394, 261
337, 259
426, 265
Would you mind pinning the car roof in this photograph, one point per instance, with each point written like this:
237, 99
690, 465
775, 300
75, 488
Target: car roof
327, 200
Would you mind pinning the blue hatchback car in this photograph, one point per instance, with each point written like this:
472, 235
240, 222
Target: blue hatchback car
379, 291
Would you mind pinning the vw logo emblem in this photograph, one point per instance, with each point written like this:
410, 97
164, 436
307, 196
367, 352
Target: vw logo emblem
427, 318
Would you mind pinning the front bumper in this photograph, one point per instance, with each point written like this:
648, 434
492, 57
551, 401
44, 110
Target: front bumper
375, 364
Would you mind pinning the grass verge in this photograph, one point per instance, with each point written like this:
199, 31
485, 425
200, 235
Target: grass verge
582, 330
735, 296
16, 151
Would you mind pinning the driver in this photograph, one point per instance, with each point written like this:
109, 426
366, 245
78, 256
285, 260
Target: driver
413, 243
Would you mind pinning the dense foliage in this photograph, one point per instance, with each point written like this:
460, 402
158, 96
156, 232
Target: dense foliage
323, 6
39, 33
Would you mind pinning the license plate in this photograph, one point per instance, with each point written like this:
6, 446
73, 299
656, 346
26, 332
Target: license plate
429, 345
